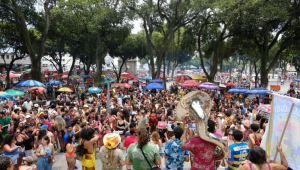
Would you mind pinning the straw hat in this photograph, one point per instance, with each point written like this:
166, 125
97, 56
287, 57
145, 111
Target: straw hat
111, 140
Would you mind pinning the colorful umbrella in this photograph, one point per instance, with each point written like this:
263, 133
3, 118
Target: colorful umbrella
94, 90
54, 82
147, 78
64, 76
14, 92
39, 89
130, 76
157, 81
230, 84
46, 71
110, 81
125, 85
208, 85
296, 80
183, 78
11, 75
56, 74
238, 90
154, 86
198, 77
31, 83
65, 89
190, 83
162, 76
4, 94
124, 73
259, 90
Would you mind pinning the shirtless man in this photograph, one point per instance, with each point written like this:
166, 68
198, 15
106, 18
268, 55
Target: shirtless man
254, 138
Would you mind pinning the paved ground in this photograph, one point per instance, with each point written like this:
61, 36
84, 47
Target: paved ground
61, 164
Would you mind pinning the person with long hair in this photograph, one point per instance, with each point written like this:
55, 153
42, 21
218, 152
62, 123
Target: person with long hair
60, 125
110, 156
86, 148
162, 127
45, 153
10, 149
139, 152
70, 149
258, 160
156, 139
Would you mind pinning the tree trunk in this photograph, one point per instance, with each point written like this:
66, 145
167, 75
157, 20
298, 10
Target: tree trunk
35, 68
71, 69
168, 69
164, 72
273, 72
7, 79
250, 71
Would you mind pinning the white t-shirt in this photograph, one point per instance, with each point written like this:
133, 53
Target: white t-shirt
27, 105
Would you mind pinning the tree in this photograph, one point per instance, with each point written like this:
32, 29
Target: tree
268, 24
22, 13
10, 41
165, 17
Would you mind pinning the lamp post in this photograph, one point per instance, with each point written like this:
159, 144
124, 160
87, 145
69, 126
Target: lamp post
108, 60
240, 74
82, 77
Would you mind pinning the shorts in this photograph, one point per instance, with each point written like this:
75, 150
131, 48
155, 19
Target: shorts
28, 152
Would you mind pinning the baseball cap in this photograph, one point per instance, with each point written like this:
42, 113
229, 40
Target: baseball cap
29, 159
27, 116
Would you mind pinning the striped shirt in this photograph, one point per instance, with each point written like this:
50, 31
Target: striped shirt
239, 152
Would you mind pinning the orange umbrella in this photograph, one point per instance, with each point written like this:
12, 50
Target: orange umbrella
39, 89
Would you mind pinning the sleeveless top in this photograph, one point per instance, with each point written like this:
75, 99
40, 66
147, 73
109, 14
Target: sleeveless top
255, 166
72, 153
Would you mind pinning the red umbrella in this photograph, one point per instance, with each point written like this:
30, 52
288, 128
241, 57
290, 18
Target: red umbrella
11, 75
190, 83
230, 84
183, 78
130, 76
125, 85
161, 76
46, 71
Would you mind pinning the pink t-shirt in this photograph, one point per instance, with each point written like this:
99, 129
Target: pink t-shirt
129, 140
203, 154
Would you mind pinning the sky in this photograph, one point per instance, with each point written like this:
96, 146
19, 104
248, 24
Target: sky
136, 26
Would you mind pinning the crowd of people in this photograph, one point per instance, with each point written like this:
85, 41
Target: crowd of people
143, 124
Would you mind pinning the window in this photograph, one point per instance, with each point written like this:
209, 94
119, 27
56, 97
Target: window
45, 65
7, 56
51, 64
63, 59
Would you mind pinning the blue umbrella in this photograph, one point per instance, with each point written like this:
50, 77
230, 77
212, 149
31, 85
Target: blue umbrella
54, 82
94, 90
238, 90
31, 83
157, 81
147, 78
154, 86
87, 76
296, 80
259, 90
110, 81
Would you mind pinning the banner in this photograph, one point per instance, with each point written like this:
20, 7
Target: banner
290, 144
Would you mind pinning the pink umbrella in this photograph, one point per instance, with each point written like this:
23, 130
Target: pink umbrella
64, 76
190, 83
125, 85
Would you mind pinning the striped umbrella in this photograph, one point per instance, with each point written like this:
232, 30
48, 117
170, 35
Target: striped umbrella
183, 78
31, 83
54, 82
238, 90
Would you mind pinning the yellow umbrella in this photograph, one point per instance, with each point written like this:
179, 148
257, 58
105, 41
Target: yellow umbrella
65, 89
198, 77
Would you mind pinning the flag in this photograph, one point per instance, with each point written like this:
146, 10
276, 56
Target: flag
291, 140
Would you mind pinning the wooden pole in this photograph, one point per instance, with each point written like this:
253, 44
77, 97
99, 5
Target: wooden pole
286, 123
